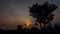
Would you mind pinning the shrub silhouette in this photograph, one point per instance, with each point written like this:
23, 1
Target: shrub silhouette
42, 13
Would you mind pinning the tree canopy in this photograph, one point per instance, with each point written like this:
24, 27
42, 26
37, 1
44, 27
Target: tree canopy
42, 13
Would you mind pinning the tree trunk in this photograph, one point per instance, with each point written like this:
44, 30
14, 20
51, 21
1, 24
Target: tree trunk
41, 26
44, 26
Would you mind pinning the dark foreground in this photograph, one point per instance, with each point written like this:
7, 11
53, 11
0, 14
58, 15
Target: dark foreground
32, 30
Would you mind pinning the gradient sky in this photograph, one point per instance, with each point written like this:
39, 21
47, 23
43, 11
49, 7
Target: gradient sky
15, 12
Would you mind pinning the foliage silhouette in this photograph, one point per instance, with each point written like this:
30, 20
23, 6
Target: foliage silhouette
42, 13
57, 28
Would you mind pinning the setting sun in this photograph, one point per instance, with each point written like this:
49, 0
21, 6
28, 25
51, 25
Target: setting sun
28, 23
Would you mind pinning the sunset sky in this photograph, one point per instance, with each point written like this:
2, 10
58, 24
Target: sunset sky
16, 12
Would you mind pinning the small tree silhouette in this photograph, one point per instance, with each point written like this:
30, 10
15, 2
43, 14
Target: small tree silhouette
42, 13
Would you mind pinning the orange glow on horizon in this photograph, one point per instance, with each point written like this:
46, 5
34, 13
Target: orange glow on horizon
28, 23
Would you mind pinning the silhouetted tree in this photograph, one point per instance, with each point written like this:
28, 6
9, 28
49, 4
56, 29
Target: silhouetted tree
57, 28
48, 28
19, 27
42, 13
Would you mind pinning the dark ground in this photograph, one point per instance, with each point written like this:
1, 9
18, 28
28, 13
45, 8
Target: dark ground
32, 30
